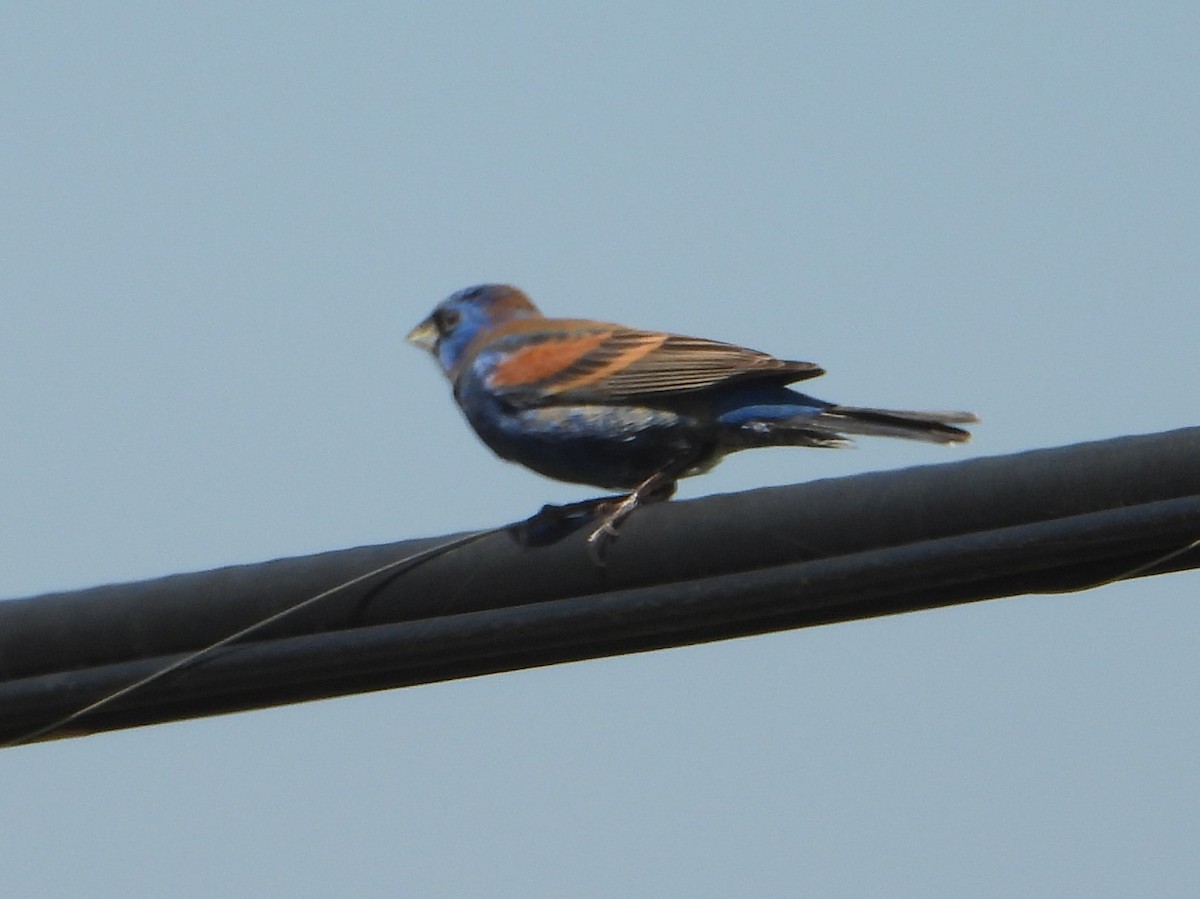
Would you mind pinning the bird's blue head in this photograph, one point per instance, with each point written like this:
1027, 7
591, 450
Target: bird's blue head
464, 315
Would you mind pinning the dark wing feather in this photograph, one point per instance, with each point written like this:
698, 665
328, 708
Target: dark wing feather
693, 363
624, 363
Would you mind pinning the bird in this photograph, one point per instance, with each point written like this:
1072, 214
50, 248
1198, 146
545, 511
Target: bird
615, 407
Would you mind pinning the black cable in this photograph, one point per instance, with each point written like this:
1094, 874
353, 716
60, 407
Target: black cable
680, 573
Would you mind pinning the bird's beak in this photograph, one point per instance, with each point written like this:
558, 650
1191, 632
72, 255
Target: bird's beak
424, 335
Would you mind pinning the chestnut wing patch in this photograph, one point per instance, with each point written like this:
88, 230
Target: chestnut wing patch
625, 363
537, 364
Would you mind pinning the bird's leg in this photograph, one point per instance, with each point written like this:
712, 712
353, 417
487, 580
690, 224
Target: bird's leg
657, 488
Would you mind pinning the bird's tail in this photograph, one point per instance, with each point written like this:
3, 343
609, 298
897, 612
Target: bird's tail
932, 427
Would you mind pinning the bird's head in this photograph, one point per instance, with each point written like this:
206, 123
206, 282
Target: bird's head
461, 317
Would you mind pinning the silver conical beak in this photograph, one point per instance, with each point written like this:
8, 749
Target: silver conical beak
424, 335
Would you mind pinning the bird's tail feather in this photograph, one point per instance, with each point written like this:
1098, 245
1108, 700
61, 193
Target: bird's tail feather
932, 427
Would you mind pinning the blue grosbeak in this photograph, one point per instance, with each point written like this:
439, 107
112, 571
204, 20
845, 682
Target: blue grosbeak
602, 404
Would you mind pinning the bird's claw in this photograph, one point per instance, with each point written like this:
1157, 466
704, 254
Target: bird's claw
597, 545
654, 490
607, 532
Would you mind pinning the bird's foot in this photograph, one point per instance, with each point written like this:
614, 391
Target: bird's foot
655, 489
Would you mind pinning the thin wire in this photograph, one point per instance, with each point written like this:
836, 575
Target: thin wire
412, 561
1136, 570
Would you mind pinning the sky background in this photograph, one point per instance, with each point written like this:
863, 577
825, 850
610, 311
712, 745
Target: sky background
219, 220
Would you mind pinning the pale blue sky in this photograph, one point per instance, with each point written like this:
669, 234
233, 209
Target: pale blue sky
218, 222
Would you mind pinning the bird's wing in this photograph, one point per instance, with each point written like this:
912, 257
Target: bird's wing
570, 361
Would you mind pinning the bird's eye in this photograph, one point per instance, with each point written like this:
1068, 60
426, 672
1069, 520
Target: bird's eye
447, 319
